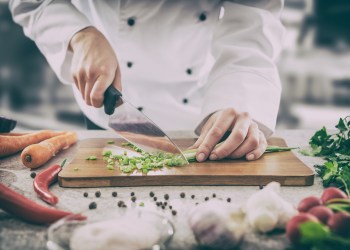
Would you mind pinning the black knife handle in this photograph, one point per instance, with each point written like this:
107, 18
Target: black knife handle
111, 96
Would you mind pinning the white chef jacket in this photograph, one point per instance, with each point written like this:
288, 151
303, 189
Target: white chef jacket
180, 60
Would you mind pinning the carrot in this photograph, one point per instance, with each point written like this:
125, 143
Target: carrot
10, 144
36, 155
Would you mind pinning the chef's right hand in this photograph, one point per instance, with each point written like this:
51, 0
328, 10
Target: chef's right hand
94, 65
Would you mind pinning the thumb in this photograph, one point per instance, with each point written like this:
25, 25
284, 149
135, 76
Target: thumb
99, 88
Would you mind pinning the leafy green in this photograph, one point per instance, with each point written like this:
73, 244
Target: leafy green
146, 162
335, 148
91, 158
319, 237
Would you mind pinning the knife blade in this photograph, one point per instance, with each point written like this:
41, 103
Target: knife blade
135, 127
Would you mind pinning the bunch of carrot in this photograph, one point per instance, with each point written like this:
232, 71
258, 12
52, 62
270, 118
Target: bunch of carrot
38, 147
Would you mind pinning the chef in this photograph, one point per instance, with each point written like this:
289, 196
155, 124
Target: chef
207, 66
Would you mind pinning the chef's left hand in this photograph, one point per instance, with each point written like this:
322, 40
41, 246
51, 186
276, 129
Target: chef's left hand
245, 138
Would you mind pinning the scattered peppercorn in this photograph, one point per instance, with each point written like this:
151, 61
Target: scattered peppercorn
158, 204
206, 198
165, 203
192, 196
155, 198
228, 199
114, 194
123, 205
151, 193
170, 207
214, 195
163, 207
196, 203
182, 195
132, 193
174, 212
93, 205
120, 203
98, 194
32, 174
166, 197
133, 199
86, 194
261, 186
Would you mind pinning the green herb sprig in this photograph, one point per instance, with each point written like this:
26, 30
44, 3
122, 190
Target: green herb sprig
335, 148
146, 162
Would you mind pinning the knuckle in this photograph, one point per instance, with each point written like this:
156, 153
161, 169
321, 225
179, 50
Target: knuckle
231, 112
104, 70
223, 152
204, 148
216, 133
245, 115
254, 142
240, 135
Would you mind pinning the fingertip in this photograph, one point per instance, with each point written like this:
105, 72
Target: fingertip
250, 157
200, 157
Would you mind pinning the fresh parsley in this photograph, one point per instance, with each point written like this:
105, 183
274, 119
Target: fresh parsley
335, 148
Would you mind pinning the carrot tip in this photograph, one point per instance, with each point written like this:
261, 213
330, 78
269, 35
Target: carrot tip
28, 158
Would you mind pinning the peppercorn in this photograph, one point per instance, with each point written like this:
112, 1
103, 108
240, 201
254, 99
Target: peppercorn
98, 194
165, 203
170, 207
155, 198
114, 194
86, 194
214, 195
132, 194
133, 199
166, 197
92, 205
120, 203
32, 174
228, 199
174, 212
158, 204
206, 198
123, 205
196, 203
261, 186
151, 193
182, 195
163, 207
192, 196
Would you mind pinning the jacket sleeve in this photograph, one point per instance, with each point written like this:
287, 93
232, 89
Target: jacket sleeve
51, 24
246, 42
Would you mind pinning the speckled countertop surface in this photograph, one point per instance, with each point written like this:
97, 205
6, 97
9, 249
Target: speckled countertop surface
15, 234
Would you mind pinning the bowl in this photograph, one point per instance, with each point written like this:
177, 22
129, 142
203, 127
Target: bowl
136, 229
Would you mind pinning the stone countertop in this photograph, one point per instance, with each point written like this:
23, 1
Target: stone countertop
15, 234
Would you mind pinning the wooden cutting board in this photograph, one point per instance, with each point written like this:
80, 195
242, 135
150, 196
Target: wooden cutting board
283, 167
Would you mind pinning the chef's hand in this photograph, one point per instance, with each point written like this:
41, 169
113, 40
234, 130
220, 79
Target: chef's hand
245, 138
94, 65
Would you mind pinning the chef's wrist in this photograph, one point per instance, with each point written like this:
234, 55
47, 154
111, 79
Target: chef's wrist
79, 37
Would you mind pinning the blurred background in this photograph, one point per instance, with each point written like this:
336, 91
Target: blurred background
314, 69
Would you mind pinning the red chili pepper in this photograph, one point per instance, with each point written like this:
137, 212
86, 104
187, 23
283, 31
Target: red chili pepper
44, 179
26, 209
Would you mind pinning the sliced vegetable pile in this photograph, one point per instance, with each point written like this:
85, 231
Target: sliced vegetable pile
335, 148
147, 162
323, 223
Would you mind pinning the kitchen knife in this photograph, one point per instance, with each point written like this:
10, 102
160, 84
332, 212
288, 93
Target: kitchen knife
135, 127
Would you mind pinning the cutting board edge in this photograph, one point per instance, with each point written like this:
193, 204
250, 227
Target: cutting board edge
251, 180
